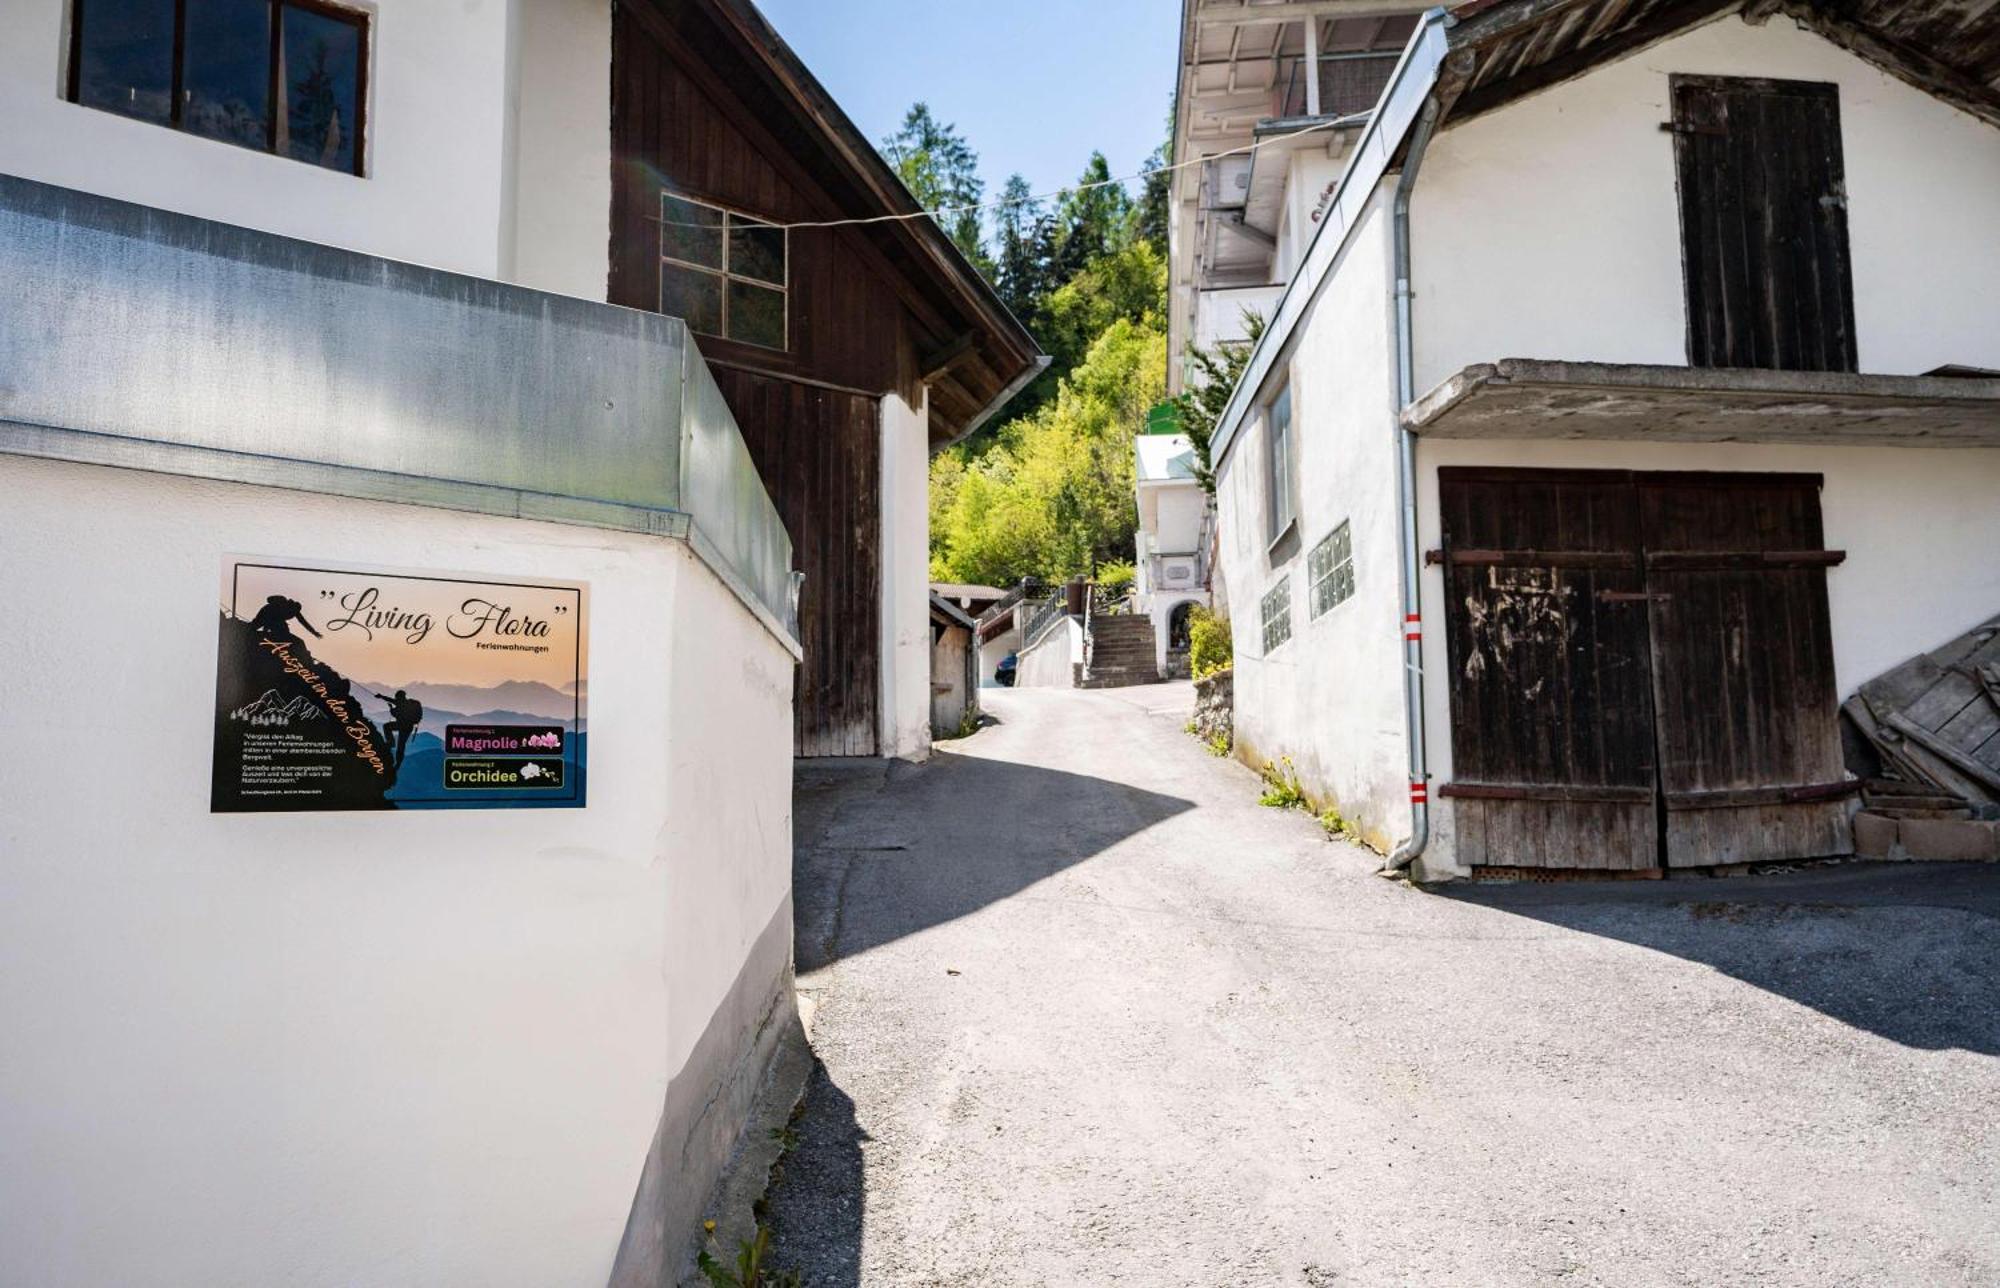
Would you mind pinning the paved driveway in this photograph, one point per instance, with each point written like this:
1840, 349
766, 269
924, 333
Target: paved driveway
1088, 1015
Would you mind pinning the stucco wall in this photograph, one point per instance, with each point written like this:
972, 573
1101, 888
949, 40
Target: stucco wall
1331, 697
445, 114
431, 1047
1919, 527
906, 588
1051, 661
1551, 228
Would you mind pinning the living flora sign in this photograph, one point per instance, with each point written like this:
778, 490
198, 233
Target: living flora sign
345, 688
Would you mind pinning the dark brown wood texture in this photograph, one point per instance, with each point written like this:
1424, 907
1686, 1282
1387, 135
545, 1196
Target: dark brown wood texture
1743, 666
1552, 746
819, 452
678, 126
1632, 648
1763, 198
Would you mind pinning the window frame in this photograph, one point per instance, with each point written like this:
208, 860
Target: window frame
1278, 522
1267, 618
363, 20
1316, 578
730, 214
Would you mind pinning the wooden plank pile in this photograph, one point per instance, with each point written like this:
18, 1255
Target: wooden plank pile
1928, 750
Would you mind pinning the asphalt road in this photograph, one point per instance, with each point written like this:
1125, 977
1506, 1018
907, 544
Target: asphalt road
1089, 1015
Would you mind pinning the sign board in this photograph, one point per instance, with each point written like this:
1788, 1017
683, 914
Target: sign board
341, 688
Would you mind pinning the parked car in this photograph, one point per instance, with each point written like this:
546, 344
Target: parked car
1003, 674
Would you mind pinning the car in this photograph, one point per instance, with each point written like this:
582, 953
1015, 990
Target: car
1004, 673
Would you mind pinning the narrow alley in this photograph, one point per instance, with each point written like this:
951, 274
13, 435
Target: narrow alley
1088, 1014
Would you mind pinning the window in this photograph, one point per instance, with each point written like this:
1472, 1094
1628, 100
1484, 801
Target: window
723, 273
282, 76
1278, 462
1330, 570
1277, 611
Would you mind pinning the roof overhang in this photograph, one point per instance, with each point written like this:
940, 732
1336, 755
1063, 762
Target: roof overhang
1517, 398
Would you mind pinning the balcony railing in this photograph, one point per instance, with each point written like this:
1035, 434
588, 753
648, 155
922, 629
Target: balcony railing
1348, 83
130, 336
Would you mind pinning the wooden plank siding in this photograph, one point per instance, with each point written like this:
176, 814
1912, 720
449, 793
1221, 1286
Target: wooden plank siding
820, 453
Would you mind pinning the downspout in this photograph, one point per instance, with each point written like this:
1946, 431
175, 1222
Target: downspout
1406, 496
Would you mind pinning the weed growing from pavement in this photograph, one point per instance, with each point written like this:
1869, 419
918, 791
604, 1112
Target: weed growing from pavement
749, 1270
1219, 745
1282, 790
1336, 824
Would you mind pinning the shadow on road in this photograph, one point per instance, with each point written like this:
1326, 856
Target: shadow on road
886, 851
1908, 952
816, 1203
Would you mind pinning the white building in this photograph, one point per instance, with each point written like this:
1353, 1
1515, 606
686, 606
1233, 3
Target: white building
1645, 410
1171, 575
414, 287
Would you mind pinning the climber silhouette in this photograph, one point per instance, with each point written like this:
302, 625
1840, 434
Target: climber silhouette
275, 617
408, 713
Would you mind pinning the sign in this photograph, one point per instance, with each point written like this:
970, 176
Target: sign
340, 689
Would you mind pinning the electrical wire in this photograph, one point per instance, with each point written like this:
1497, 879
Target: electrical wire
1248, 148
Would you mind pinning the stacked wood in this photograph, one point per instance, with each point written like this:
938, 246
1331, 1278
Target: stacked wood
1933, 728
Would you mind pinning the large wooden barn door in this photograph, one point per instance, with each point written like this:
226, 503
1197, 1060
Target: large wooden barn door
1641, 669
1764, 224
820, 454
1750, 759
1551, 695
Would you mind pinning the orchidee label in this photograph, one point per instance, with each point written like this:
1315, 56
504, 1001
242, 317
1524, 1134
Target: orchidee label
343, 689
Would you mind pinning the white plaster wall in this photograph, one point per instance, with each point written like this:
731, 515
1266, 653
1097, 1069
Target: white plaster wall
1551, 228
906, 604
1219, 313
406, 1048
488, 142
1309, 178
560, 218
1919, 527
1331, 697
1180, 508
1050, 662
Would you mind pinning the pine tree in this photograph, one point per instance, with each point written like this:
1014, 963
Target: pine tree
942, 172
1019, 259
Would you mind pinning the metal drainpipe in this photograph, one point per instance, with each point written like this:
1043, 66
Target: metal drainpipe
1406, 488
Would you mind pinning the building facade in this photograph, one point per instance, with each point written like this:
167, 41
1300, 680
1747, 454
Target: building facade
1572, 487
423, 291
1170, 578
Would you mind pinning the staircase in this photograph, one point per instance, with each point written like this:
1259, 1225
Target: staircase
1121, 652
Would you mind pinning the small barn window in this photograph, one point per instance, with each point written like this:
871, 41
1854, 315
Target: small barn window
1276, 607
1278, 464
1330, 569
723, 273
281, 76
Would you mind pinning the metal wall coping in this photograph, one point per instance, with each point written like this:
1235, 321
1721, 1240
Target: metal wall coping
142, 339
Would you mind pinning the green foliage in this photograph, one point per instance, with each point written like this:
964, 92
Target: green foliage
1052, 497
1212, 378
1115, 578
1210, 645
942, 172
749, 1270
1282, 790
1149, 216
1219, 744
1335, 823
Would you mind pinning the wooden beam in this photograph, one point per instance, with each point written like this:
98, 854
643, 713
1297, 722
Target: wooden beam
1912, 66
938, 361
1296, 12
1614, 44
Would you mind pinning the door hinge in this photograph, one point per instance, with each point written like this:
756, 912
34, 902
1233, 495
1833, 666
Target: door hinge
1684, 127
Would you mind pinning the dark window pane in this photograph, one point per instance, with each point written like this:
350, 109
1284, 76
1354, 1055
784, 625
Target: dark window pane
227, 75
694, 297
320, 67
125, 57
757, 250
690, 232
756, 315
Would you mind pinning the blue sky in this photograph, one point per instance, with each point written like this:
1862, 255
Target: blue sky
1033, 85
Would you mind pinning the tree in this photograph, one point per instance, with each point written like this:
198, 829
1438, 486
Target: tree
942, 172
1149, 216
1092, 219
1020, 264
1216, 373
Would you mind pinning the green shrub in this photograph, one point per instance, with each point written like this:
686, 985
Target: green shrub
1282, 790
1115, 578
1209, 646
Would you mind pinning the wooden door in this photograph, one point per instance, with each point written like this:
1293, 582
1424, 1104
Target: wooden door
1551, 695
1747, 715
1763, 197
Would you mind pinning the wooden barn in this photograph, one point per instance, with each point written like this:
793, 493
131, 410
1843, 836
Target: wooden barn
848, 354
